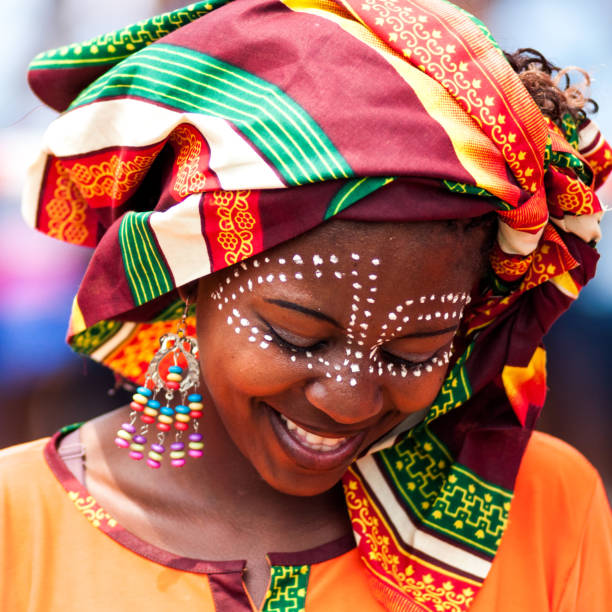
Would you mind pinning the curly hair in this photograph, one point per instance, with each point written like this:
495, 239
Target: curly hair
550, 85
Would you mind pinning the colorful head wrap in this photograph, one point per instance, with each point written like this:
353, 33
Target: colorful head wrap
206, 135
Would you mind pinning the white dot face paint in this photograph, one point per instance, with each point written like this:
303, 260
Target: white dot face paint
364, 283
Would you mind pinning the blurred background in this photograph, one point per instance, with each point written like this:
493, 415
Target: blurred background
44, 386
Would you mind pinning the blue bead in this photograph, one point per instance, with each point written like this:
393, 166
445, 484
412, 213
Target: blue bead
144, 391
195, 397
182, 409
153, 404
167, 411
175, 369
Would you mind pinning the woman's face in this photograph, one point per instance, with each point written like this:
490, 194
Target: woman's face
319, 347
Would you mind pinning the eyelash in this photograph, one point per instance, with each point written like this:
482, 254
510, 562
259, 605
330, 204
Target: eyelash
394, 359
293, 348
389, 357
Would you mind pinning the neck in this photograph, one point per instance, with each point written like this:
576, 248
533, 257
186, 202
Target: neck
222, 487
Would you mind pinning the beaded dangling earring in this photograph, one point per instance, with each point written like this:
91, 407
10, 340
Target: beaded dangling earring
173, 371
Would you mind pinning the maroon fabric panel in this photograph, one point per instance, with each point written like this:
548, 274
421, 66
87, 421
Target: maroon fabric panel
287, 213
107, 289
228, 593
412, 199
325, 70
485, 427
58, 87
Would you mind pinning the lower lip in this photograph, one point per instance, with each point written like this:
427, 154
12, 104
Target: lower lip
309, 458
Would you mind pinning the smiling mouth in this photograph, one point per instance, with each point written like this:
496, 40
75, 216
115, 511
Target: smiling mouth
314, 451
313, 441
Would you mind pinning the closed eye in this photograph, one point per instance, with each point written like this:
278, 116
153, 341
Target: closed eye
293, 342
411, 363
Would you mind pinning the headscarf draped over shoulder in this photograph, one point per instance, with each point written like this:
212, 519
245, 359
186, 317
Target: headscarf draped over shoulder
204, 136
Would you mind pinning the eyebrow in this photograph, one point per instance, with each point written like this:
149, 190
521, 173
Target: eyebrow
323, 317
307, 311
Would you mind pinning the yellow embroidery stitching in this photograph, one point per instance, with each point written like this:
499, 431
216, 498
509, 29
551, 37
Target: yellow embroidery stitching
91, 511
66, 210
189, 179
112, 178
235, 223
434, 592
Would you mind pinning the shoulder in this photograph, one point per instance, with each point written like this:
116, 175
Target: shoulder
16, 461
560, 507
553, 465
25, 476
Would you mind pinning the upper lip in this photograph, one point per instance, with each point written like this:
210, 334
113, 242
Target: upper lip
324, 431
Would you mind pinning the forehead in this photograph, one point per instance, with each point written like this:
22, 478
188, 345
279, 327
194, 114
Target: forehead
389, 262
421, 258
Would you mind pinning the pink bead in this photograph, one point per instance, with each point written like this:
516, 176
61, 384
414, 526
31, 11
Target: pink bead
137, 455
154, 464
122, 443
195, 453
177, 462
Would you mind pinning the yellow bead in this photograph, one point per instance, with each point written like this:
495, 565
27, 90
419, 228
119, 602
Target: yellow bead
164, 418
124, 434
177, 454
150, 411
137, 447
140, 399
172, 376
183, 418
154, 455
196, 405
196, 445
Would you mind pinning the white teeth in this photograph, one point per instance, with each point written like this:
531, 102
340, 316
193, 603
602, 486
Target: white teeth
313, 441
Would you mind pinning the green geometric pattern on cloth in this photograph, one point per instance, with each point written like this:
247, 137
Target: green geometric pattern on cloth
287, 591
455, 390
447, 497
113, 47
570, 130
190, 81
568, 160
95, 336
145, 269
353, 191
465, 189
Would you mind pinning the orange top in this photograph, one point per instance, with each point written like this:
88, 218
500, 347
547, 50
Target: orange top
59, 551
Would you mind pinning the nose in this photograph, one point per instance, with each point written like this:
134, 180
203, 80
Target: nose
346, 400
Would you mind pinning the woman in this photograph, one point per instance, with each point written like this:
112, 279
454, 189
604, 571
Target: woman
394, 349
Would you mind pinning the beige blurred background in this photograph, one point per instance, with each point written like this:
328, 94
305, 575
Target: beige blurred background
44, 386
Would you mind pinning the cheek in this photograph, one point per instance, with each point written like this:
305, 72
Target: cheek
249, 368
419, 393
